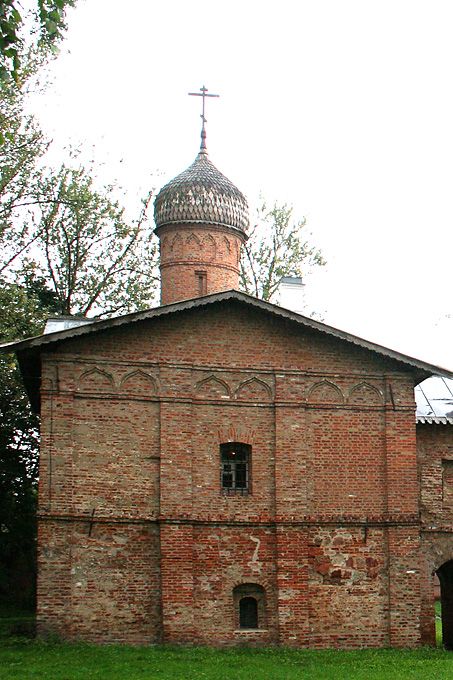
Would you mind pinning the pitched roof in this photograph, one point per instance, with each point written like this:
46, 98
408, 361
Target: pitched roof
33, 346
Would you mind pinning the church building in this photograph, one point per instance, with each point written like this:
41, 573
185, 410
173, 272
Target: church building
219, 470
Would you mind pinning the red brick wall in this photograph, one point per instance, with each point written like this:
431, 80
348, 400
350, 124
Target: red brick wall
133, 420
435, 445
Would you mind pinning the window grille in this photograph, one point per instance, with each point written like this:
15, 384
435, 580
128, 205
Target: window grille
235, 468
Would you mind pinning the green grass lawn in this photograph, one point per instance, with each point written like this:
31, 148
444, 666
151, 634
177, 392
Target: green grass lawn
28, 660
438, 613
23, 658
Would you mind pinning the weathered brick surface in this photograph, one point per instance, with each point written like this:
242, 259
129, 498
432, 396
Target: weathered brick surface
348, 584
99, 583
404, 586
132, 422
435, 447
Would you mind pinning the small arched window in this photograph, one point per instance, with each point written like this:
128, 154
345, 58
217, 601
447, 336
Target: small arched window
248, 612
250, 606
235, 460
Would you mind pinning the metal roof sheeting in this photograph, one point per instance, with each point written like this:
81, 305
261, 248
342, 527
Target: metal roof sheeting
426, 420
434, 398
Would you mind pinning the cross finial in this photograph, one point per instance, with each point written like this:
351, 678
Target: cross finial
203, 93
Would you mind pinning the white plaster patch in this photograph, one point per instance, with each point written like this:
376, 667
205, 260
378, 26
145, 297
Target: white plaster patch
254, 564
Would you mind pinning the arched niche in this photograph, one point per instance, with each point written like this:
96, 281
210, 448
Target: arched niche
325, 392
212, 387
254, 389
96, 380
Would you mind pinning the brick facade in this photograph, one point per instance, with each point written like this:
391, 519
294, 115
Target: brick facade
139, 544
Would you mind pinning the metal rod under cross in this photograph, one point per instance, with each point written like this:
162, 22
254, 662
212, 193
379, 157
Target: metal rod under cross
203, 93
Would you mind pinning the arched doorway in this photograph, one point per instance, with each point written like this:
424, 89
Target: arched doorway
445, 574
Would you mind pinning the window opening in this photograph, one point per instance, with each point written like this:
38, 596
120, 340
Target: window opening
235, 468
202, 282
248, 612
249, 606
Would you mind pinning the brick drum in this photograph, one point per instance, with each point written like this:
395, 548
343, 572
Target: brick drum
197, 260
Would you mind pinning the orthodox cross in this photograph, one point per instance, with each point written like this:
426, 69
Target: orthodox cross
203, 94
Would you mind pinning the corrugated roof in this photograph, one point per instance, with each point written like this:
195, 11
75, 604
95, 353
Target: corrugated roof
434, 420
37, 342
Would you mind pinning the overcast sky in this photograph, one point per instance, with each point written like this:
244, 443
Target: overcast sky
344, 109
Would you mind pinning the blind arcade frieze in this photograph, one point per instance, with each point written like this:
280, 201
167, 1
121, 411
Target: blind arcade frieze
188, 383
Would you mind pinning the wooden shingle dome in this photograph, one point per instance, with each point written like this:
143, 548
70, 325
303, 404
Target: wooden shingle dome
201, 194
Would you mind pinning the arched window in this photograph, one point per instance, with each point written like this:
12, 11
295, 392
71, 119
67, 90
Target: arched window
250, 606
235, 468
248, 612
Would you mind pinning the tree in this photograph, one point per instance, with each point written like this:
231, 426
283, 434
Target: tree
39, 28
276, 247
95, 260
93, 257
21, 146
66, 247
24, 309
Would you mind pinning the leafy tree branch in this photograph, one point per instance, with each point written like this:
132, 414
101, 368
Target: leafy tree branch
277, 246
40, 28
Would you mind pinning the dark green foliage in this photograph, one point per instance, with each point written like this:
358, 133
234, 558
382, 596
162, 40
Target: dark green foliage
62, 224
16, 622
24, 308
47, 19
21, 145
18, 475
96, 261
65, 247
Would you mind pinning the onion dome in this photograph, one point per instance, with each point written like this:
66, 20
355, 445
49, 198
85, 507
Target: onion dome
201, 194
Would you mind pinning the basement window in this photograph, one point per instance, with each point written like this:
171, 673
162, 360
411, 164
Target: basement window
249, 606
235, 460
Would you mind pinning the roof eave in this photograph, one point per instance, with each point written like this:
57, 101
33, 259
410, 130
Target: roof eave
421, 369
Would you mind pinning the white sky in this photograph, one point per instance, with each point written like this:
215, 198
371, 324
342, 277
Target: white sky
342, 108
